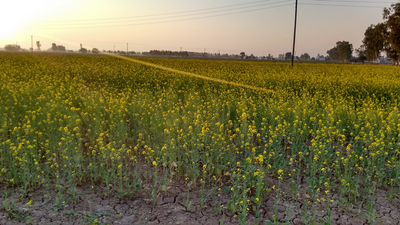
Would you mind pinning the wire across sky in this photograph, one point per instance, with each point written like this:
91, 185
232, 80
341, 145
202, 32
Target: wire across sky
259, 27
195, 14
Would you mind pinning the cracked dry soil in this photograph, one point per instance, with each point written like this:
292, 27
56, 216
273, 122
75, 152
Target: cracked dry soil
170, 208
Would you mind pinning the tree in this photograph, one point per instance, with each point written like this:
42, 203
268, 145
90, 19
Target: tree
12, 48
392, 54
362, 53
95, 51
38, 45
250, 57
54, 47
288, 56
374, 39
57, 48
83, 50
60, 48
305, 56
242, 55
392, 17
342, 51
332, 54
345, 50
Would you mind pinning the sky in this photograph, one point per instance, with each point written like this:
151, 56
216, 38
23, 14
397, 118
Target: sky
258, 27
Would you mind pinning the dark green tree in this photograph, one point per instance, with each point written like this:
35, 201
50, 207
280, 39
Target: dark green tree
374, 41
54, 47
95, 50
251, 56
391, 16
305, 56
83, 50
38, 45
345, 50
332, 54
57, 48
342, 51
288, 56
362, 53
61, 48
12, 48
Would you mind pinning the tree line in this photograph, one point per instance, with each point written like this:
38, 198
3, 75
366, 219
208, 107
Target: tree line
383, 37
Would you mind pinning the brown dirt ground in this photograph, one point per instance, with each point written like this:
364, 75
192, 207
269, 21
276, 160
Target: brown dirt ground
169, 208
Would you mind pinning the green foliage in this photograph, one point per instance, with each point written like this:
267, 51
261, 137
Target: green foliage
305, 56
342, 51
95, 50
374, 41
83, 50
384, 36
362, 54
392, 17
12, 48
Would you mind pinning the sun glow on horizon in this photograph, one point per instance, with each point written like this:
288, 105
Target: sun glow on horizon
11, 20
9, 23
19, 14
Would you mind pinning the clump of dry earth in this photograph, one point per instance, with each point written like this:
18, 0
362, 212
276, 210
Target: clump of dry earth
171, 207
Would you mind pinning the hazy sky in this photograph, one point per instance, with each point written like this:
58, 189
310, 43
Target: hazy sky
229, 26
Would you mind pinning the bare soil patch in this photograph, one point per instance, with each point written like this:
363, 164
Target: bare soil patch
173, 206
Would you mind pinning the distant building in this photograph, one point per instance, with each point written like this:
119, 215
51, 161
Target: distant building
383, 60
320, 58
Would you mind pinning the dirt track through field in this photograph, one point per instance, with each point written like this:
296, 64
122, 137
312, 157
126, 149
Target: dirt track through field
193, 74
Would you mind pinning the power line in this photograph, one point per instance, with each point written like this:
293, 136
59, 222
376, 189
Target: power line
160, 14
357, 6
160, 18
81, 25
363, 2
168, 21
322, 3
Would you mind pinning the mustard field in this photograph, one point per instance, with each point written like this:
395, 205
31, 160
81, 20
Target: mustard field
68, 120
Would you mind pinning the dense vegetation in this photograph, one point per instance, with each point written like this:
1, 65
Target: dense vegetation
68, 120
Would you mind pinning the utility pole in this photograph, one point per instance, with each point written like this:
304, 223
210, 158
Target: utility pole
294, 34
114, 49
181, 48
32, 43
126, 48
